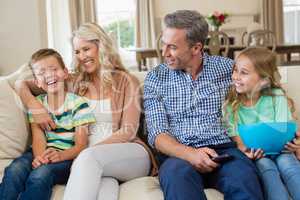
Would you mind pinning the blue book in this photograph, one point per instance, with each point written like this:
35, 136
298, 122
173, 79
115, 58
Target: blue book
271, 137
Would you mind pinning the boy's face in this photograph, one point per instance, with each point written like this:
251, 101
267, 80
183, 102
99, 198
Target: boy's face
50, 75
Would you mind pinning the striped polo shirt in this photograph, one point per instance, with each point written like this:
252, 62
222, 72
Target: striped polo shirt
73, 113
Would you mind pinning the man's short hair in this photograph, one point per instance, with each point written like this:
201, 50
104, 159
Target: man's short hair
192, 21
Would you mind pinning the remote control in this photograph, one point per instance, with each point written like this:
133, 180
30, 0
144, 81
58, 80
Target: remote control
222, 158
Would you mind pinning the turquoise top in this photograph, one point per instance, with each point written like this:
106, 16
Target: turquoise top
267, 109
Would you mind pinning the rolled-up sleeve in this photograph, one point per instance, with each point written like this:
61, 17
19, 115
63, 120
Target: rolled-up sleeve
156, 117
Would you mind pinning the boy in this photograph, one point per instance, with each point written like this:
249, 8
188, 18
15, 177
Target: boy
48, 162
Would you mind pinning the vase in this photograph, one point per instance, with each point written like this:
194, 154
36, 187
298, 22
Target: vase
214, 42
215, 28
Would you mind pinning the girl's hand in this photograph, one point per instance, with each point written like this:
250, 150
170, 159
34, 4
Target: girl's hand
297, 153
254, 154
295, 144
53, 155
41, 117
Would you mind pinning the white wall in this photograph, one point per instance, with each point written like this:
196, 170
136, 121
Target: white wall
241, 12
22, 31
208, 6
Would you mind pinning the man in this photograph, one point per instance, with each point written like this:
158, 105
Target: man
183, 100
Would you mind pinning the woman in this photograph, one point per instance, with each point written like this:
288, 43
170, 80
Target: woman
114, 95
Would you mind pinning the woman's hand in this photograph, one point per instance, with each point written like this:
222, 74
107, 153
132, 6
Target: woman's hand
41, 116
254, 154
295, 144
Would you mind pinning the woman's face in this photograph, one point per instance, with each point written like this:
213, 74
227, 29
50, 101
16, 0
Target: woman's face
87, 55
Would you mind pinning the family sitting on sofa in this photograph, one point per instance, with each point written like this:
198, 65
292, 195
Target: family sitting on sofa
93, 115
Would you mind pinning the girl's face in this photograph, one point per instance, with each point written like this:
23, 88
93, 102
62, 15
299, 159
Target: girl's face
87, 55
245, 78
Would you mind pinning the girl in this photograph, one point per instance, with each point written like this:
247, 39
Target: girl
257, 96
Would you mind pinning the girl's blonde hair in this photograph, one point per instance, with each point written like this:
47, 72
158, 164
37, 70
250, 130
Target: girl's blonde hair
264, 62
109, 58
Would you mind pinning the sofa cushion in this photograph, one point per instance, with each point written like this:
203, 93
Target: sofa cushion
13, 126
147, 188
23, 73
58, 192
3, 164
290, 82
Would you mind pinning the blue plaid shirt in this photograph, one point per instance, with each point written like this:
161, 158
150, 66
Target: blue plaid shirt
189, 110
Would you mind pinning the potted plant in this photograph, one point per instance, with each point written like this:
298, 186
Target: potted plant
216, 19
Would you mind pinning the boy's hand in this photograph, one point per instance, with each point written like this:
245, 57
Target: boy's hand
254, 154
53, 155
38, 161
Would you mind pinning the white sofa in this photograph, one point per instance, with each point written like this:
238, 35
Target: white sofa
15, 136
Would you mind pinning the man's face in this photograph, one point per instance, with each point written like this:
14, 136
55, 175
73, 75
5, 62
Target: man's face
175, 48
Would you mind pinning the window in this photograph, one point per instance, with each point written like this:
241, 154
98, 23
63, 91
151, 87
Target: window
118, 20
291, 9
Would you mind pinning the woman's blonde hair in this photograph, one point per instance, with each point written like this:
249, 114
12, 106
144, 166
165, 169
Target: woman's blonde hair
264, 62
109, 58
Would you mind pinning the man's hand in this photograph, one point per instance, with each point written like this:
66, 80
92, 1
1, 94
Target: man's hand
38, 161
53, 155
41, 117
201, 159
254, 154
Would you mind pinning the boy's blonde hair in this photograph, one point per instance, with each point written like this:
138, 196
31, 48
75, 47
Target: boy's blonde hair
44, 53
264, 62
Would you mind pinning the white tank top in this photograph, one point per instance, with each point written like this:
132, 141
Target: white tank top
102, 128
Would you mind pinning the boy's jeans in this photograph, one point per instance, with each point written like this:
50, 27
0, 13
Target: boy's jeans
20, 181
277, 171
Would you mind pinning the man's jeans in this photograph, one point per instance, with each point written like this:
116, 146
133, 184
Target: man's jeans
277, 171
236, 179
20, 181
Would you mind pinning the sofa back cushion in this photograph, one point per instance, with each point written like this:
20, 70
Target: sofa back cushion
14, 130
290, 81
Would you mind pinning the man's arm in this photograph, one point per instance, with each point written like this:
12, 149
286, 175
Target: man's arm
200, 158
158, 127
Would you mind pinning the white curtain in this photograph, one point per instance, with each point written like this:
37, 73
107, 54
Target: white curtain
145, 24
272, 18
81, 11
59, 29
145, 35
63, 17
